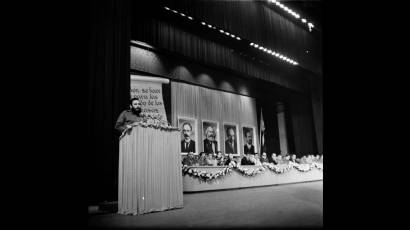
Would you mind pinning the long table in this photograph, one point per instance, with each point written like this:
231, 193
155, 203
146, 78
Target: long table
235, 179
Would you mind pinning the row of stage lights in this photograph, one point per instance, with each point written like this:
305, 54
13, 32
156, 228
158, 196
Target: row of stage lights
293, 13
261, 48
275, 54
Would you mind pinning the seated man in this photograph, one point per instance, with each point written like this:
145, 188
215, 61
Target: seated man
220, 159
246, 160
273, 159
189, 160
230, 159
201, 160
293, 158
264, 158
210, 160
255, 160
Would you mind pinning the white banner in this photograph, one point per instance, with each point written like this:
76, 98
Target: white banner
149, 93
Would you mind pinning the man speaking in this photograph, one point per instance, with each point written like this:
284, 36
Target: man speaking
127, 117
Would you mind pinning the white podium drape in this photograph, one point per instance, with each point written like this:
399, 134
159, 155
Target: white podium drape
150, 174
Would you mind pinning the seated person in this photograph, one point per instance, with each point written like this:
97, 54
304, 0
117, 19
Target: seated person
286, 159
201, 160
210, 160
220, 159
190, 160
273, 159
293, 158
255, 160
247, 160
264, 158
230, 159
303, 160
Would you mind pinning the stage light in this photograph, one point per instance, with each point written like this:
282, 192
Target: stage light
166, 8
221, 31
232, 35
203, 23
238, 38
227, 33
175, 11
269, 51
183, 15
190, 18
256, 45
210, 26
303, 20
251, 44
260, 47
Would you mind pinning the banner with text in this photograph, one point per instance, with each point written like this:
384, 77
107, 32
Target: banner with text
150, 95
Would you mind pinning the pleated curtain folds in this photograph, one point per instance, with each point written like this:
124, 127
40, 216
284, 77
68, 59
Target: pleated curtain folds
150, 176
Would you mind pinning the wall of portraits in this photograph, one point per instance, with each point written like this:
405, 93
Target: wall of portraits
221, 119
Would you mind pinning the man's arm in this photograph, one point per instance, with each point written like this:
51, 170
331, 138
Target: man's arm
120, 124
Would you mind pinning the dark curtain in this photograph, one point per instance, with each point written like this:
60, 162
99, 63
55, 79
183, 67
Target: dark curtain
301, 125
154, 26
268, 106
109, 92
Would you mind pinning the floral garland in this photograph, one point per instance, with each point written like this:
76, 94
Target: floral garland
249, 171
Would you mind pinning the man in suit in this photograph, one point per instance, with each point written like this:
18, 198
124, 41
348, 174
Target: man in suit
230, 143
249, 148
187, 145
210, 144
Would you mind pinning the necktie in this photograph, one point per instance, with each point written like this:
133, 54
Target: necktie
186, 145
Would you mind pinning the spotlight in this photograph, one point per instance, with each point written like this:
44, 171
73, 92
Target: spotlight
190, 18
261, 47
276, 54
232, 35
166, 8
175, 11
238, 38
221, 31
227, 33
303, 20
210, 26
203, 23
251, 44
269, 51
256, 45
183, 15
297, 16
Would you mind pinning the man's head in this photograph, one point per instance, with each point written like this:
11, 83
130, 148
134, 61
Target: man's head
201, 154
190, 154
210, 155
230, 155
186, 130
273, 155
293, 157
219, 154
135, 105
248, 136
231, 134
210, 133
264, 156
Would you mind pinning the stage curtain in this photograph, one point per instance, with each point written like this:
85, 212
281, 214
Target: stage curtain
208, 104
109, 92
150, 175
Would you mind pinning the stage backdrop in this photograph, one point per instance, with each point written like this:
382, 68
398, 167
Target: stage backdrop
213, 105
149, 91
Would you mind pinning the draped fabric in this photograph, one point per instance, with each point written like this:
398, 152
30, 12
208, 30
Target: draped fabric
109, 92
150, 175
207, 104
191, 42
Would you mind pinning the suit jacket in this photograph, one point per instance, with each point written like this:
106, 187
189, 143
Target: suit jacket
245, 161
249, 150
208, 146
228, 147
190, 148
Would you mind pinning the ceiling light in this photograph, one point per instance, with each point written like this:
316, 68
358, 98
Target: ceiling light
190, 18
166, 8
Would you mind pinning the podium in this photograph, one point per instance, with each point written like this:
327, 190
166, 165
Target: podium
150, 171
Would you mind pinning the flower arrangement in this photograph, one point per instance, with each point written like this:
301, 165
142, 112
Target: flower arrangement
155, 121
250, 171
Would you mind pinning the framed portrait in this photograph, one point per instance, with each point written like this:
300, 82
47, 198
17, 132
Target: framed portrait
231, 139
210, 136
249, 139
189, 135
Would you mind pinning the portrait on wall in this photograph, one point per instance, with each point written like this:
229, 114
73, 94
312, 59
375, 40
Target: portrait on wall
231, 139
249, 140
189, 137
210, 136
